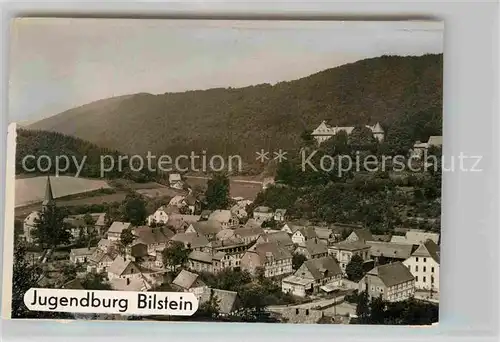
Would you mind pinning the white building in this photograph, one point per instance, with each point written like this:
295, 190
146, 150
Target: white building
263, 214
29, 225
175, 181
324, 131
116, 229
393, 282
419, 148
160, 216
224, 217
424, 265
81, 255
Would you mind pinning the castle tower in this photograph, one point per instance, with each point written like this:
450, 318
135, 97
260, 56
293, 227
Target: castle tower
49, 196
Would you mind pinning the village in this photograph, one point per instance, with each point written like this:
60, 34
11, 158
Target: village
318, 269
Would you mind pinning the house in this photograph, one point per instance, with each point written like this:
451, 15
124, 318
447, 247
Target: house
193, 241
178, 201
280, 215
324, 131
28, 226
290, 229
77, 226
228, 301
105, 244
116, 229
312, 249
248, 234
193, 203
273, 258
205, 261
325, 235
312, 275
303, 234
154, 238
131, 284
389, 251
100, 260
233, 249
420, 148
101, 224
360, 235
208, 229
424, 265
344, 251
175, 181
263, 214
253, 223
224, 234
160, 216
123, 268
189, 282
394, 282
81, 255
239, 211
418, 236
279, 237
224, 217
205, 214
179, 222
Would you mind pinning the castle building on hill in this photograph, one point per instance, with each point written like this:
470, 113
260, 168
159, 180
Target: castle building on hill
324, 131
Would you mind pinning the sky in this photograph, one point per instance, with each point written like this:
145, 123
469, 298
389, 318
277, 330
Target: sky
58, 64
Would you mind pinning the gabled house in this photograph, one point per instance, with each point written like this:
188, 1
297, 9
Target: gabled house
100, 260
312, 249
193, 241
208, 229
389, 251
206, 261
290, 229
394, 282
228, 301
116, 229
189, 282
312, 275
233, 248
160, 216
344, 251
279, 237
248, 234
303, 234
263, 214
81, 255
101, 224
178, 201
224, 217
155, 239
123, 268
179, 222
273, 258
28, 226
175, 181
360, 235
424, 265
280, 215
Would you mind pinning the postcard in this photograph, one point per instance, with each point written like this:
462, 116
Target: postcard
224, 171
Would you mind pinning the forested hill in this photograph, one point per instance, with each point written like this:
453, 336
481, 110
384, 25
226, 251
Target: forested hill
240, 121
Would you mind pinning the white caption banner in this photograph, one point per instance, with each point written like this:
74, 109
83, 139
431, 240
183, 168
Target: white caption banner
111, 302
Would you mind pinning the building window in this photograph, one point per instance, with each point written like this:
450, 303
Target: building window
296, 311
416, 268
425, 259
416, 278
417, 259
432, 269
424, 280
424, 268
307, 312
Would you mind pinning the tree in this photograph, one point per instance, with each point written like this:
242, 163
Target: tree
362, 308
95, 282
211, 307
25, 276
50, 230
307, 138
297, 260
354, 268
176, 254
217, 193
89, 221
134, 210
126, 239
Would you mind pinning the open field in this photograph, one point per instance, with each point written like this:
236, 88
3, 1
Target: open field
239, 187
32, 190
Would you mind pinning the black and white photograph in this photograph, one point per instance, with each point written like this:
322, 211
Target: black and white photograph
273, 171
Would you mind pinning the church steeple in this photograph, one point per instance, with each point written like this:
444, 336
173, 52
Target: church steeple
49, 197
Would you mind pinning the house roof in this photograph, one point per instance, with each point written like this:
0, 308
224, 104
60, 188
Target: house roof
292, 279
220, 215
390, 249
208, 227
294, 227
117, 227
263, 210
428, 249
225, 234
253, 223
280, 211
227, 300
119, 265
187, 280
279, 237
270, 249
308, 232
363, 234
104, 243
129, 284
149, 235
233, 241
177, 200
322, 267
383, 238
314, 247
392, 274
351, 245
418, 236
174, 177
323, 233
399, 239
194, 240
248, 231
201, 256
435, 140
83, 251
101, 256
